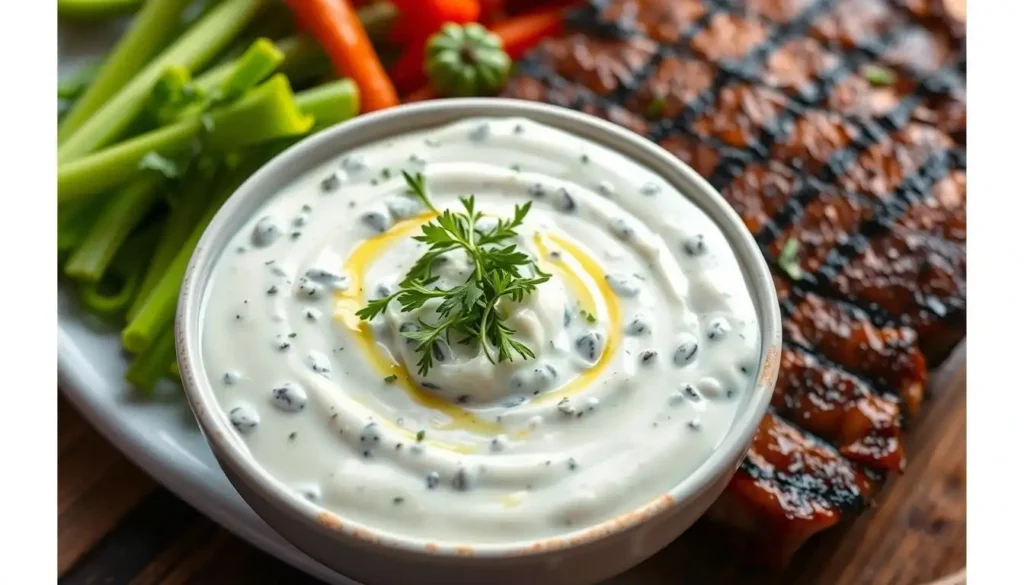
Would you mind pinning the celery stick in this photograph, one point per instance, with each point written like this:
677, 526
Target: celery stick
119, 218
110, 296
252, 67
185, 214
297, 51
194, 49
117, 165
329, 103
151, 364
148, 34
157, 310
95, 9
73, 223
333, 101
267, 112
73, 86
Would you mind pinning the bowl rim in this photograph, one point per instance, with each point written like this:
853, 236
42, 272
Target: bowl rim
302, 157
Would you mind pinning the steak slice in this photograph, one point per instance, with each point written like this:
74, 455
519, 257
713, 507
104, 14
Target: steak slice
841, 408
917, 278
790, 487
887, 357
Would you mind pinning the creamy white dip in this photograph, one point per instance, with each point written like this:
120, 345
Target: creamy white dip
646, 340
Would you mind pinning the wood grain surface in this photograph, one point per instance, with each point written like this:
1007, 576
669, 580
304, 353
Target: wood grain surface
115, 526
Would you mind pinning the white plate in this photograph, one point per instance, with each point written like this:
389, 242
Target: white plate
159, 435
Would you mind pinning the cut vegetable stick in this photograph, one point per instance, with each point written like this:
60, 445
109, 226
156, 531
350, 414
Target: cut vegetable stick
151, 364
258, 62
73, 223
193, 50
146, 37
268, 111
335, 25
119, 218
96, 9
329, 103
109, 297
157, 310
333, 101
520, 34
182, 220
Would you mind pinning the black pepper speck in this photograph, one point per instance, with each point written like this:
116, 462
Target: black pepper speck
433, 479
648, 356
695, 246
460, 481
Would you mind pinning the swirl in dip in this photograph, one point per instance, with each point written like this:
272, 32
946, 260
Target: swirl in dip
645, 339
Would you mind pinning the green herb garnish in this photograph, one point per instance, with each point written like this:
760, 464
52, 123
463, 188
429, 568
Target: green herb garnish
879, 76
390, 379
469, 310
788, 259
420, 435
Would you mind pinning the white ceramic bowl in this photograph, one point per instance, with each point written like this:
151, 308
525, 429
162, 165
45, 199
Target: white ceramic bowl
575, 558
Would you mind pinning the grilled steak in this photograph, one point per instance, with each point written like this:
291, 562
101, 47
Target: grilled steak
790, 486
833, 127
838, 406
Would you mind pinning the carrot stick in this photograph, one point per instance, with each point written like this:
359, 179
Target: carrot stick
520, 34
336, 26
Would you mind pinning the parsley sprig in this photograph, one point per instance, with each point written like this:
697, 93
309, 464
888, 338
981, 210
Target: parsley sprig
469, 310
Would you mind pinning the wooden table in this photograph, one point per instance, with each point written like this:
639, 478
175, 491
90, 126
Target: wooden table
117, 527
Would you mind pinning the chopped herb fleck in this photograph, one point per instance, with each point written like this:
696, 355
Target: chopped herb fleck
385, 173
390, 379
879, 76
788, 259
516, 168
584, 158
656, 108
420, 435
